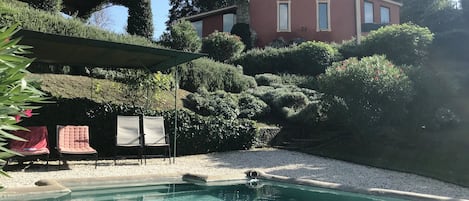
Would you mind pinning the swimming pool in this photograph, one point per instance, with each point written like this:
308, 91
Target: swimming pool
244, 190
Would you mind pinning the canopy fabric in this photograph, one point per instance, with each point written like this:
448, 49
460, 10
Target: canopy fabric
74, 51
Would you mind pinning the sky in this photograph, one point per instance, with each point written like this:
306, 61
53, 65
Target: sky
160, 9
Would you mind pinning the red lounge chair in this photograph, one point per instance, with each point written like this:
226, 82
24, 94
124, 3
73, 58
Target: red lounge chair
36, 145
74, 140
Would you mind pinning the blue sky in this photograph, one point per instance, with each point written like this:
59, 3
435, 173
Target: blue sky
160, 8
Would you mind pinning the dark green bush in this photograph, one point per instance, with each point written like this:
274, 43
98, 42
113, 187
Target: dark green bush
47, 5
452, 44
252, 107
221, 46
402, 44
374, 90
302, 81
182, 36
196, 134
218, 103
309, 58
140, 20
214, 76
244, 32
267, 79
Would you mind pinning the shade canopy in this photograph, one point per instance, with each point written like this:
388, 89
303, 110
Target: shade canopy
74, 51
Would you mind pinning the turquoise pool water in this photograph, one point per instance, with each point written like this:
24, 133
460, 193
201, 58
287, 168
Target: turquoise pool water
261, 190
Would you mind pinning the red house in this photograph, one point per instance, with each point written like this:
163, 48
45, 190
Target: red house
321, 20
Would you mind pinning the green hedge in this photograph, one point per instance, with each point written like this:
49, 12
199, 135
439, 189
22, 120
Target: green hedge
12, 12
308, 58
47, 5
213, 76
196, 134
402, 44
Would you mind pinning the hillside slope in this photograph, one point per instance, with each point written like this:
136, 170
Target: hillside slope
101, 90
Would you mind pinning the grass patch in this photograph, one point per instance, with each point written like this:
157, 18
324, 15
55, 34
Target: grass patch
101, 90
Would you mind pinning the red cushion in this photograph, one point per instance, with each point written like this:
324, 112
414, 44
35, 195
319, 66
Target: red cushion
36, 143
74, 140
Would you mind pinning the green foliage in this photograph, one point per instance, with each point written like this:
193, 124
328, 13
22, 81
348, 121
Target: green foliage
302, 81
213, 76
140, 21
221, 46
412, 49
288, 101
252, 107
268, 79
244, 32
452, 44
47, 5
373, 89
17, 94
225, 105
182, 36
196, 134
218, 103
33, 19
309, 58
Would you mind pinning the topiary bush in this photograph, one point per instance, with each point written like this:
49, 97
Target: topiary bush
213, 76
302, 81
374, 90
140, 20
182, 36
244, 32
218, 103
221, 46
308, 58
252, 107
402, 44
267, 79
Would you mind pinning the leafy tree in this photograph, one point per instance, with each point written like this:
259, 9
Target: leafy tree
140, 21
221, 46
16, 93
182, 36
438, 15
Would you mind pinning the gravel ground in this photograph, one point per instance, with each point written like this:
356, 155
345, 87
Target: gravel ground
271, 161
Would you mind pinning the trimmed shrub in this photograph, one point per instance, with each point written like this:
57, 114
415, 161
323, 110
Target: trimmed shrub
302, 81
268, 79
402, 44
213, 76
196, 134
308, 58
218, 103
244, 32
47, 5
221, 46
374, 90
252, 107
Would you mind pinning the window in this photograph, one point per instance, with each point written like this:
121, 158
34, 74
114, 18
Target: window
369, 16
323, 15
385, 16
198, 27
228, 21
283, 21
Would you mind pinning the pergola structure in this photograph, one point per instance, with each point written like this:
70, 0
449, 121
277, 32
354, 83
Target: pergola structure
73, 51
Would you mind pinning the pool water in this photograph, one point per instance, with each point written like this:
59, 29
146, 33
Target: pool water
262, 191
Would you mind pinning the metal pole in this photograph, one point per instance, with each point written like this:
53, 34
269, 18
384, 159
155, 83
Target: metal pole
175, 112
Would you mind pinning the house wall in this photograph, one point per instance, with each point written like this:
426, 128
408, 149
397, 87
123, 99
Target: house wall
212, 24
263, 15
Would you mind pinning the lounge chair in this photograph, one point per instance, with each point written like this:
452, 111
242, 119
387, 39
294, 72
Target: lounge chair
74, 141
154, 134
128, 134
34, 148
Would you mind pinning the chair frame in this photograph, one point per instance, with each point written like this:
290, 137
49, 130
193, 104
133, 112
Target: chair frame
80, 156
140, 138
166, 137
